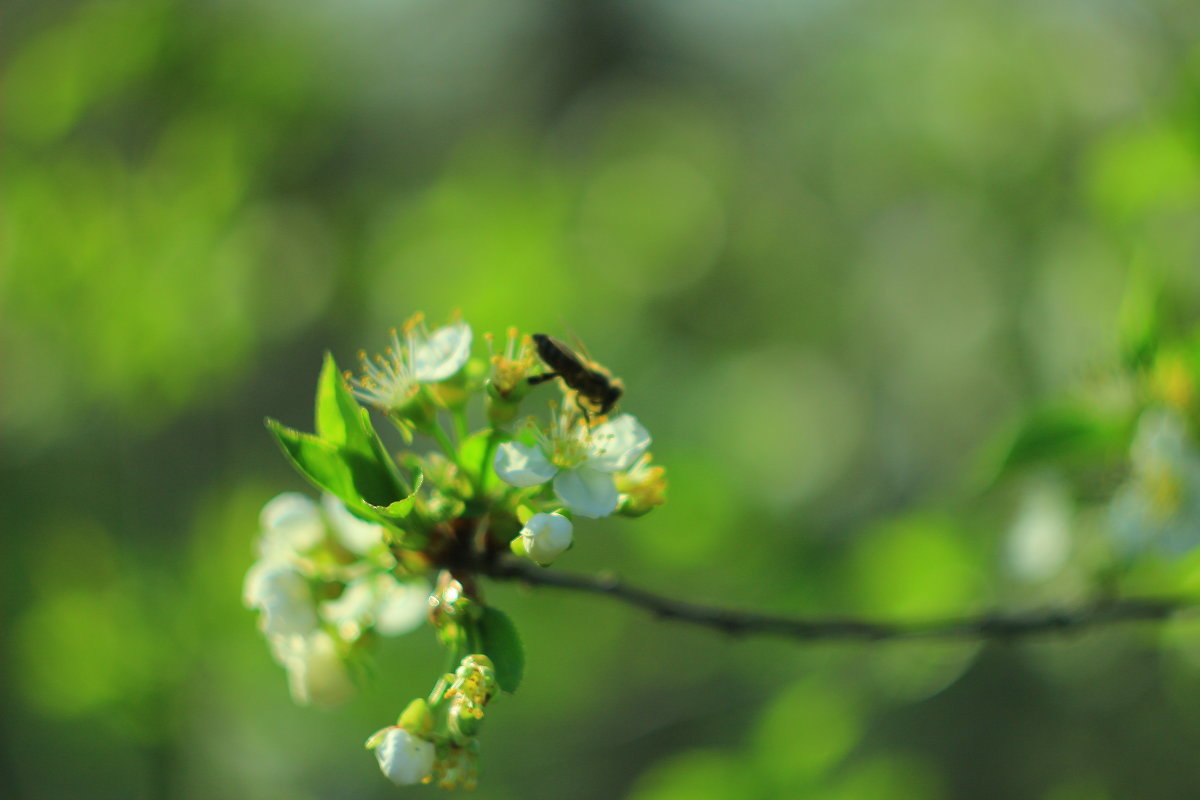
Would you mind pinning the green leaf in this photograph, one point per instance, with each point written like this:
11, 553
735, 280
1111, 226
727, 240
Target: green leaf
363, 484
316, 459
502, 644
338, 416
1139, 324
1056, 433
401, 508
341, 421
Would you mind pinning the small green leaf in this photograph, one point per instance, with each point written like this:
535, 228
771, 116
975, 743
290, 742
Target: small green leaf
1056, 433
401, 508
315, 459
360, 483
339, 417
502, 644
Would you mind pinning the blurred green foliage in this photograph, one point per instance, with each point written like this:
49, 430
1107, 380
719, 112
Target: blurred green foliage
836, 251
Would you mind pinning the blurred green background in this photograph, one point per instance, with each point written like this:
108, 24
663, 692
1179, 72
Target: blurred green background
831, 247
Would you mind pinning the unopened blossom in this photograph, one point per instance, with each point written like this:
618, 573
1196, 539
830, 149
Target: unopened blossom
404, 758
580, 460
391, 381
546, 536
642, 487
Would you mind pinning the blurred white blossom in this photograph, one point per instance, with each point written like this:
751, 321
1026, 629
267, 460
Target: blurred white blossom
317, 673
1159, 506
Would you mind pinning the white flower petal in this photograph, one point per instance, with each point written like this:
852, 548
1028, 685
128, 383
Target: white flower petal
390, 606
355, 605
284, 598
291, 522
404, 759
587, 492
546, 537
316, 672
356, 535
1160, 439
443, 353
401, 607
522, 465
618, 443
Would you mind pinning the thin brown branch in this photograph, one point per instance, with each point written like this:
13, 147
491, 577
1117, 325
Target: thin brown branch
993, 625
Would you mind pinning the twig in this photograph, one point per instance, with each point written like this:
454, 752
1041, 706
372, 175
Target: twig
735, 622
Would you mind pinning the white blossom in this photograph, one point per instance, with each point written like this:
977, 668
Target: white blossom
317, 673
1160, 504
282, 596
356, 535
441, 354
580, 461
546, 537
390, 381
381, 601
291, 525
404, 759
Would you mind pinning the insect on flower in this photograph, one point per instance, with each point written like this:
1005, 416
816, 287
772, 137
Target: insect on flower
597, 391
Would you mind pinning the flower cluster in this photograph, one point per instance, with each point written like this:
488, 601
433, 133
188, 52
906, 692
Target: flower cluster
323, 578
445, 509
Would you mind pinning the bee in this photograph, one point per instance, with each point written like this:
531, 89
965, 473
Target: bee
597, 391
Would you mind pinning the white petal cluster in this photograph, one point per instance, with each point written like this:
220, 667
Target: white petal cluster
356, 535
580, 461
296, 564
378, 601
546, 536
403, 758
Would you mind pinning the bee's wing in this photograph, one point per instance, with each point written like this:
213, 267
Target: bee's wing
580, 346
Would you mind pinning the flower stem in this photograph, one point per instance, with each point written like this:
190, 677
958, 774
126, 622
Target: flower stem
459, 415
443, 439
489, 453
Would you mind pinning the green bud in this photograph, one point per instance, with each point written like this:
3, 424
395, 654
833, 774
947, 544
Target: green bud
501, 410
417, 718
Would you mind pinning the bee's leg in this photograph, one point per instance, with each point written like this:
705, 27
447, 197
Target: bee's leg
534, 380
587, 416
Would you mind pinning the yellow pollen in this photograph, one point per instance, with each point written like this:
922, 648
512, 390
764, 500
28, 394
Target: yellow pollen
414, 321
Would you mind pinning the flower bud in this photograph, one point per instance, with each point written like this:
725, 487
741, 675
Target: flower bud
473, 686
508, 382
546, 536
642, 487
405, 759
417, 717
